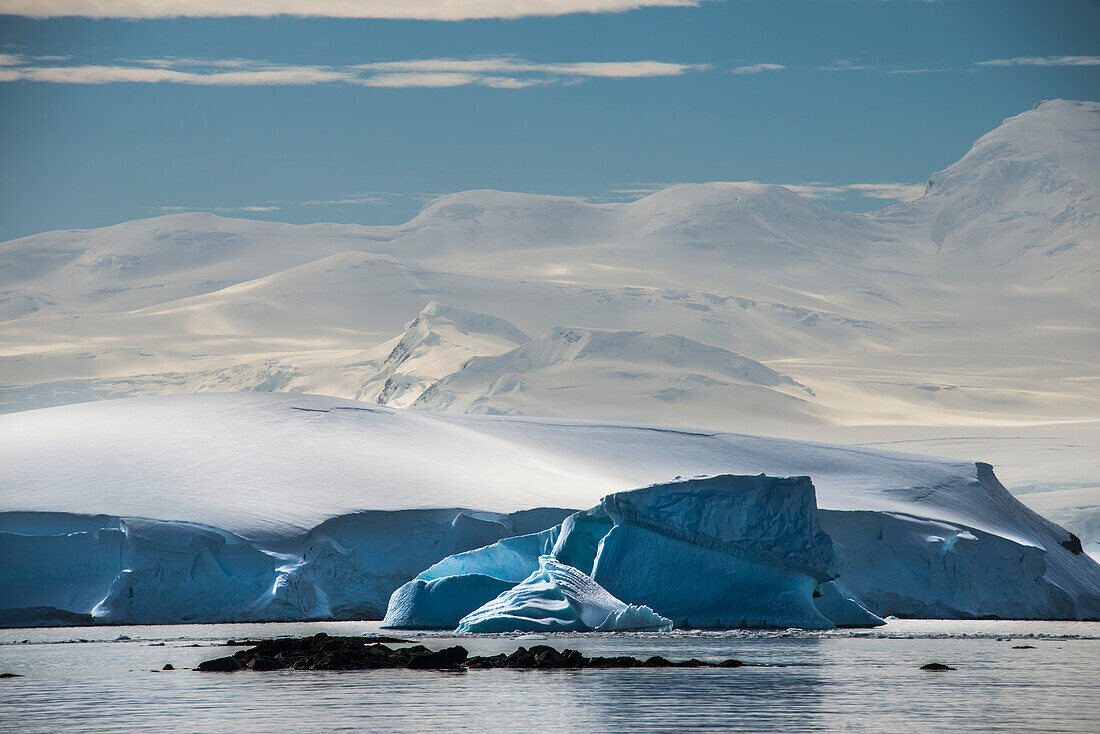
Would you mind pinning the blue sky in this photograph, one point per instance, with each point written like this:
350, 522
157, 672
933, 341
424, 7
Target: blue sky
306, 119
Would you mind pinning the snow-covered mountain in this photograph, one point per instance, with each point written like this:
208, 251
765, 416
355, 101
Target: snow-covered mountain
969, 314
436, 343
569, 371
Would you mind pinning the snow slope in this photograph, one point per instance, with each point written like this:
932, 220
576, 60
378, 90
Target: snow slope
241, 461
299, 477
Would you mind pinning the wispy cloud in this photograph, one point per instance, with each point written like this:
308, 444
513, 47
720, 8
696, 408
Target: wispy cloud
843, 65
756, 68
1043, 61
503, 72
407, 9
918, 71
889, 191
514, 65
348, 201
853, 65
816, 190
219, 209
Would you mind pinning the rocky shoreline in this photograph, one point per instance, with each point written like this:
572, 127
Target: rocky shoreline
324, 652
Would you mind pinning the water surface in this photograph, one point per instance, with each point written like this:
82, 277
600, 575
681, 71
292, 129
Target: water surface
859, 681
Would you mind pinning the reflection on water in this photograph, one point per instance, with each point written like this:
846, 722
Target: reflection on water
839, 681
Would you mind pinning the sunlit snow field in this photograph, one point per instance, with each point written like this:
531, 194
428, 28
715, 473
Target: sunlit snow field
87, 680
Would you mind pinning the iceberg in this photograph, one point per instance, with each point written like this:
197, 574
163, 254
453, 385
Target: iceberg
721, 552
559, 598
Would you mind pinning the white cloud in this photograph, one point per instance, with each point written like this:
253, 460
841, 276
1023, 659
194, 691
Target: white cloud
102, 74
505, 72
513, 65
419, 79
1043, 61
407, 9
756, 68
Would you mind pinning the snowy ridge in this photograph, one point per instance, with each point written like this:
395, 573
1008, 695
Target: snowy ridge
571, 367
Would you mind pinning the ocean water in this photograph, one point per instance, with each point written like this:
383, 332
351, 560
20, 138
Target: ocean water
89, 680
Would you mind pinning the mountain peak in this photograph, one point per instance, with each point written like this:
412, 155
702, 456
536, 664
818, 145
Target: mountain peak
434, 344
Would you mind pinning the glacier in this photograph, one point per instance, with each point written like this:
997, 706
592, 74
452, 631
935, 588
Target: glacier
267, 506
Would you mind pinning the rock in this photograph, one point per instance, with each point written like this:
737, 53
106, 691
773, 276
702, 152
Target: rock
445, 659
1073, 545
937, 666
322, 652
260, 663
168, 666
220, 665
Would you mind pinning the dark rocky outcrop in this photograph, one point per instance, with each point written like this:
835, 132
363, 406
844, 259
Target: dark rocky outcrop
1073, 545
322, 652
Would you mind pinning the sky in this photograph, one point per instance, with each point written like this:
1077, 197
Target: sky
310, 117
